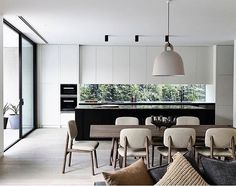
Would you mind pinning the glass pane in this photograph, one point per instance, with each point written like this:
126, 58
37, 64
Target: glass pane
27, 87
10, 85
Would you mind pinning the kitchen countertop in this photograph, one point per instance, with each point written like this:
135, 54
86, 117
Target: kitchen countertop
162, 107
145, 103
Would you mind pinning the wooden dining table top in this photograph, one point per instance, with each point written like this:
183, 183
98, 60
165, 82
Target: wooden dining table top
113, 131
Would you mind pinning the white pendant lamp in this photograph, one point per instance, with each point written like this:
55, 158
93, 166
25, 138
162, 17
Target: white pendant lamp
169, 62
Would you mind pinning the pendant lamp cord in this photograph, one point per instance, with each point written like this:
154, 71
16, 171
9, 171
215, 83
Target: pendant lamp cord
168, 22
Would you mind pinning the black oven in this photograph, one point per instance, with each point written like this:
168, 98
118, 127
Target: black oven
68, 103
68, 89
68, 97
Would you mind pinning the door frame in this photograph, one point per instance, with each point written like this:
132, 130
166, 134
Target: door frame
21, 35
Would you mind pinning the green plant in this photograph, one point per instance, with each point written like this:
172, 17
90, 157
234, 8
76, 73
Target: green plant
5, 108
14, 108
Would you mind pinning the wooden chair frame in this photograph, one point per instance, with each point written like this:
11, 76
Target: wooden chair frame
69, 149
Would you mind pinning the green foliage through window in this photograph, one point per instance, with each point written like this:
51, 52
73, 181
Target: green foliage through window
123, 92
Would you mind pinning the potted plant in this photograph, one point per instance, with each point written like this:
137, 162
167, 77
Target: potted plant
14, 118
5, 109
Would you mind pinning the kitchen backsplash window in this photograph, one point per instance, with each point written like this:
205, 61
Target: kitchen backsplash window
126, 92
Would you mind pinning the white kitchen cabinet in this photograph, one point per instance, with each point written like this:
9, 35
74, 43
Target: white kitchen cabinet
104, 65
120, 66
138, 65
49, 104
65, 117
204, 65
69, 60
225, 60
88, 65
49, 64
57, 64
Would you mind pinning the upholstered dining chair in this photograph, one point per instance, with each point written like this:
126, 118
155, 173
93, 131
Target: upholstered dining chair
177, 140
219, 142
78, 146
187, 120
124, 120
134, 142
155, 141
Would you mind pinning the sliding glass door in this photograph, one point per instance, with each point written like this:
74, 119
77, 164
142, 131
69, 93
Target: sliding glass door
27, 86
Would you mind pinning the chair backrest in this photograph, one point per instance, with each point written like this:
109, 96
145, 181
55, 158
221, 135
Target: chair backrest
72, 129
127, 121
148, 121
221, 137
180, 137
136, 137
187, 120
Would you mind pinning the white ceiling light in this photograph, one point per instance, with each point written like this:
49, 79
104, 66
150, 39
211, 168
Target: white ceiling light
169, 62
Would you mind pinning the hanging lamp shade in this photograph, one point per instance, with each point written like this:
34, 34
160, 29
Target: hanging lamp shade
168, 63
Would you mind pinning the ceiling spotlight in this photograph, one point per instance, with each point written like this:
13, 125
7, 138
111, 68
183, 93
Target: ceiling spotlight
136, 38
106, 38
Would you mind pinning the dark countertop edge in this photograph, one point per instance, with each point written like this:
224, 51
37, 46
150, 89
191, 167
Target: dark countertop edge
148, 103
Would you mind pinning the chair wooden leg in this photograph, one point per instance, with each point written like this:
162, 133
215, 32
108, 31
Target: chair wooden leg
115, 155
92, 163
124, 161
160, 161
95, 157
152, 155
112, 151
120, 161
64, 163
70, 155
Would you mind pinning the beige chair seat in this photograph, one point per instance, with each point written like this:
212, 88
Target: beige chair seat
164, 151
85, 145
217, 152
132, 152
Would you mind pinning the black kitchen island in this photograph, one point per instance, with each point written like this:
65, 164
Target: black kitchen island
87, 114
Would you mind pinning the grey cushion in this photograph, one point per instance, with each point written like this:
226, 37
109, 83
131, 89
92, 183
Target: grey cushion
219, 172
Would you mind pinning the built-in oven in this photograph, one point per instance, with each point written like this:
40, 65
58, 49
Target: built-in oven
69, 89
68, 103
68, 97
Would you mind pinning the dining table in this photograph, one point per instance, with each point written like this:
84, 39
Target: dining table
113, 131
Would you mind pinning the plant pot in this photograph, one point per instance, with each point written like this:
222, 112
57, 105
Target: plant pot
5, 122
14, 121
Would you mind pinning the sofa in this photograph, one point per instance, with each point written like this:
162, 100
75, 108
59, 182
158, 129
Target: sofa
182, 171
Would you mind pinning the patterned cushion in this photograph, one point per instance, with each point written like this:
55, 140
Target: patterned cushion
180, 172
135, 174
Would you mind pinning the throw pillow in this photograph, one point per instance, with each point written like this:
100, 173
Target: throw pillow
158, 172
219, 172
180, 172
134, 174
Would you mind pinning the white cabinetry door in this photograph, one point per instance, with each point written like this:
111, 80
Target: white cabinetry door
204, 68
49, 91
49, 64
120, 65
49, 105
88, 55
104, 65
138, 65
69, 64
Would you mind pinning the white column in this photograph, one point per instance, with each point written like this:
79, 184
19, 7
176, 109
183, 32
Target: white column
1, 85
234, 84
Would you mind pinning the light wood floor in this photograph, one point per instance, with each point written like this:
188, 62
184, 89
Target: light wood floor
37, 160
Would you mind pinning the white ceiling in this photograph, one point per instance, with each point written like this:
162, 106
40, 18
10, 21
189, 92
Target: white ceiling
192, 22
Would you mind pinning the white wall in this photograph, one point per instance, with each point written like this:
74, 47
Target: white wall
224, 58
1, 85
